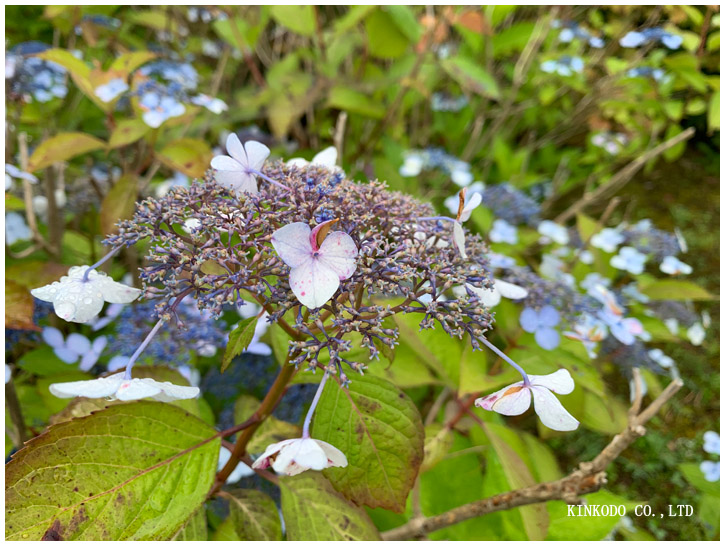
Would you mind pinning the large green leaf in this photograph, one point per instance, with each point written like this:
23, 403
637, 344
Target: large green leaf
129, 472
191, 156
675, 289
61, 147
252, 516
353, 101
119, 203
379, 430
313, 510
195, 527
385, 39
127, 131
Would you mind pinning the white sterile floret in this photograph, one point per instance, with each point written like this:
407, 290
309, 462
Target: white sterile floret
237, 171
115, 387
291, 457
326, 158
553, 231
673, 266
76, 299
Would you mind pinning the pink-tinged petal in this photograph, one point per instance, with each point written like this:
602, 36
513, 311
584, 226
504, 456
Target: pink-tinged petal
292, 243
551, 412
335, 457
94, 388
316, 230
226, 163
264, 460
491, 402
136, 389
560, 381
313, 283
459, 239
299, 456
339, 253
236, 150
633, 326
257, 153
510, 291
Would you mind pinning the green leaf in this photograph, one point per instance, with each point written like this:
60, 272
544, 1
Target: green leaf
195, 527
471, 76
119, 203
385, 40
300, 19
713, 112
677, 150
80, 73
252, 515
379, 430
438, 441
534, 517
126, 132
344, 98
239, 339
313, 510
404, 18
564, 527
43, 362
354, 15
128, 62
129, 472
674, 289
586, 226
694, 475
191, 156
62, 147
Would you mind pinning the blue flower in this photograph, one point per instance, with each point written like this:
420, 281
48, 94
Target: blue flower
541, 323
158, 108
608, 239
712, 442
16, 229
109, 91
75, 346
565, 65
629, 259
503, 232
655, 34
646, 72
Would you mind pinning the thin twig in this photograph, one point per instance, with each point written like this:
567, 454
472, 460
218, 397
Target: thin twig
588, 478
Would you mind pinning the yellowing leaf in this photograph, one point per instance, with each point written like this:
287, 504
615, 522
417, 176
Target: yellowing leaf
191, 156
18, 307
62, 147
300, 19
127, 131
119, 203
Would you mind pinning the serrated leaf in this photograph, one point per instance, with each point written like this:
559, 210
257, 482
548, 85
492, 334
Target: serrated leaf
252, 515
18, 307
674, 289
300, 19
191, 156
129, 472
126, 132
239, 339
471, 76
379, 430
195, 527
119, 203
313, 510
62, 147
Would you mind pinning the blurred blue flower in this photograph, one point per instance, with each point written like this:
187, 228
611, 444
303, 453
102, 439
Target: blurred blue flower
646, 72
511, 204
212, 104
553, 232
184, 75
673, 266
571, 30
541, 323
32, 77
630, 260
639, 38
608, 239
75, 346
443, 102
158, 108
661, 358
503, 232
109, 91
566, 65
16, 229
613, 143
416, 161
711, 442
711, 470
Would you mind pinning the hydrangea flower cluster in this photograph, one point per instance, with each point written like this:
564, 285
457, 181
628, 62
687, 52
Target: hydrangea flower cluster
566, 65
32, 78
612, 143
638, 38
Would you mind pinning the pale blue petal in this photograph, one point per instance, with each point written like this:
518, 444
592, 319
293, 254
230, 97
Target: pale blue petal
547, 338
548, 316
529, 320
